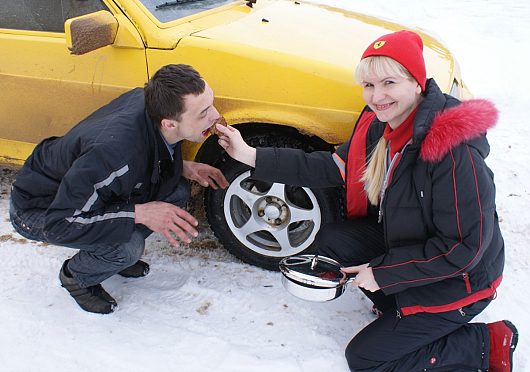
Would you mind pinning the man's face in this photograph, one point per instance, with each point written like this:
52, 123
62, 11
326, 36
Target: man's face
198, 116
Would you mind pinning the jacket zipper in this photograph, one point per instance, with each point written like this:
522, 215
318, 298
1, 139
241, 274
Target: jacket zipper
386, 179
385, 185
465, 276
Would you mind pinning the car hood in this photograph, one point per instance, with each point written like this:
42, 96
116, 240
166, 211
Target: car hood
321, 34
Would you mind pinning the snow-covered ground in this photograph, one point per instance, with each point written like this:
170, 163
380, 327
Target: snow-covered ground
200, 309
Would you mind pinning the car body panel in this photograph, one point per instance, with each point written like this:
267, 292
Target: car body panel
46, 90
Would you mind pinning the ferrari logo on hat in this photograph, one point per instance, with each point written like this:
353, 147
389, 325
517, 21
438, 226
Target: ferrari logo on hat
379, 44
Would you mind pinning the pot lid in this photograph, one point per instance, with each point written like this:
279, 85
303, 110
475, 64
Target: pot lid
313, 270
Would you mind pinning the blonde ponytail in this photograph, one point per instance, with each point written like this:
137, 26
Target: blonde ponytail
374, 174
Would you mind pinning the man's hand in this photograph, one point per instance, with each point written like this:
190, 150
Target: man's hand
204, 174
365, 277
167, 219
230, 139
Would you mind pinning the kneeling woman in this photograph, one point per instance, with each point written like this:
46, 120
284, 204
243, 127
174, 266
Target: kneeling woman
422, 232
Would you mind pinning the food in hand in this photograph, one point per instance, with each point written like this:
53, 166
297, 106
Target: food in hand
222, 121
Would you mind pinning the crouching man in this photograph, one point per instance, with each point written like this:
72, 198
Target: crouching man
116, 177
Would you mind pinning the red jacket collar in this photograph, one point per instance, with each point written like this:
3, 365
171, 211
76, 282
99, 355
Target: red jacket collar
459, 124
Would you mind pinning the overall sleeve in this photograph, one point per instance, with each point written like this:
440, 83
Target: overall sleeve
297, 168
92, 202
463, 208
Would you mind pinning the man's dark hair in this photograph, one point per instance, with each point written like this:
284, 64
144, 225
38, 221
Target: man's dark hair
165, 91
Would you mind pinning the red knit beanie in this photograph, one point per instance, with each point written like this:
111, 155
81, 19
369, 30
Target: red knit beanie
405, 47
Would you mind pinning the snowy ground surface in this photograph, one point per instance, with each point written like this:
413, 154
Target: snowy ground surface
200, 309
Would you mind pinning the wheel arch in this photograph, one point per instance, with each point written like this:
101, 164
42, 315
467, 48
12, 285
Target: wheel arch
211, 153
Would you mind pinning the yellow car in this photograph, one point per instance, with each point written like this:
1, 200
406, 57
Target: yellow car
282, 72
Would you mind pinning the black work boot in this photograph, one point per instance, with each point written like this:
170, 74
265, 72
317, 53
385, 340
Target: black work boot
139, 269
93, 299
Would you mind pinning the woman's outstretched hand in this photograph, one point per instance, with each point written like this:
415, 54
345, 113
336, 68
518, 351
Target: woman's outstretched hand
365, 277
230, 139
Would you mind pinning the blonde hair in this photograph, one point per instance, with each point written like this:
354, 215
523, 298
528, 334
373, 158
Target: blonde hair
380, 66
374, 174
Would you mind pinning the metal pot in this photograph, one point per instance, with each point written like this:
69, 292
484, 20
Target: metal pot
313, 278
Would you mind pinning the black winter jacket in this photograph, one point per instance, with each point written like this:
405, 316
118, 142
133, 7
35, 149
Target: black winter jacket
444, 246
89, 180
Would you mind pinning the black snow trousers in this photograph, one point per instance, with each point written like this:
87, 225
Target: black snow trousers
392, 342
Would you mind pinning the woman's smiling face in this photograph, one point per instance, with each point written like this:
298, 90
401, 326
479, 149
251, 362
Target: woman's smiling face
391, 97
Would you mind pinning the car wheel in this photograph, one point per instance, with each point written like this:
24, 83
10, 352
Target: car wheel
262, 222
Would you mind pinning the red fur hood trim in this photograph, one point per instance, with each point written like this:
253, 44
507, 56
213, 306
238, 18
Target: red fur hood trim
453, 126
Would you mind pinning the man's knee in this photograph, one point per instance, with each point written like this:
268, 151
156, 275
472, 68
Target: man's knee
127, 254
136, 247
181, 194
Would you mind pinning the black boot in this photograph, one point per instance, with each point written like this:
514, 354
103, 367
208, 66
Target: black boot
93, 299
139, 269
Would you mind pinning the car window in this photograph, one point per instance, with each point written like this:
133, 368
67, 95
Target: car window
169, 10
44, 15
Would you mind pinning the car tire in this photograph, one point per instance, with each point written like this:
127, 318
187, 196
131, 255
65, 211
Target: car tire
255, 221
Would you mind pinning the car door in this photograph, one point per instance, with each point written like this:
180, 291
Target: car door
45, 90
